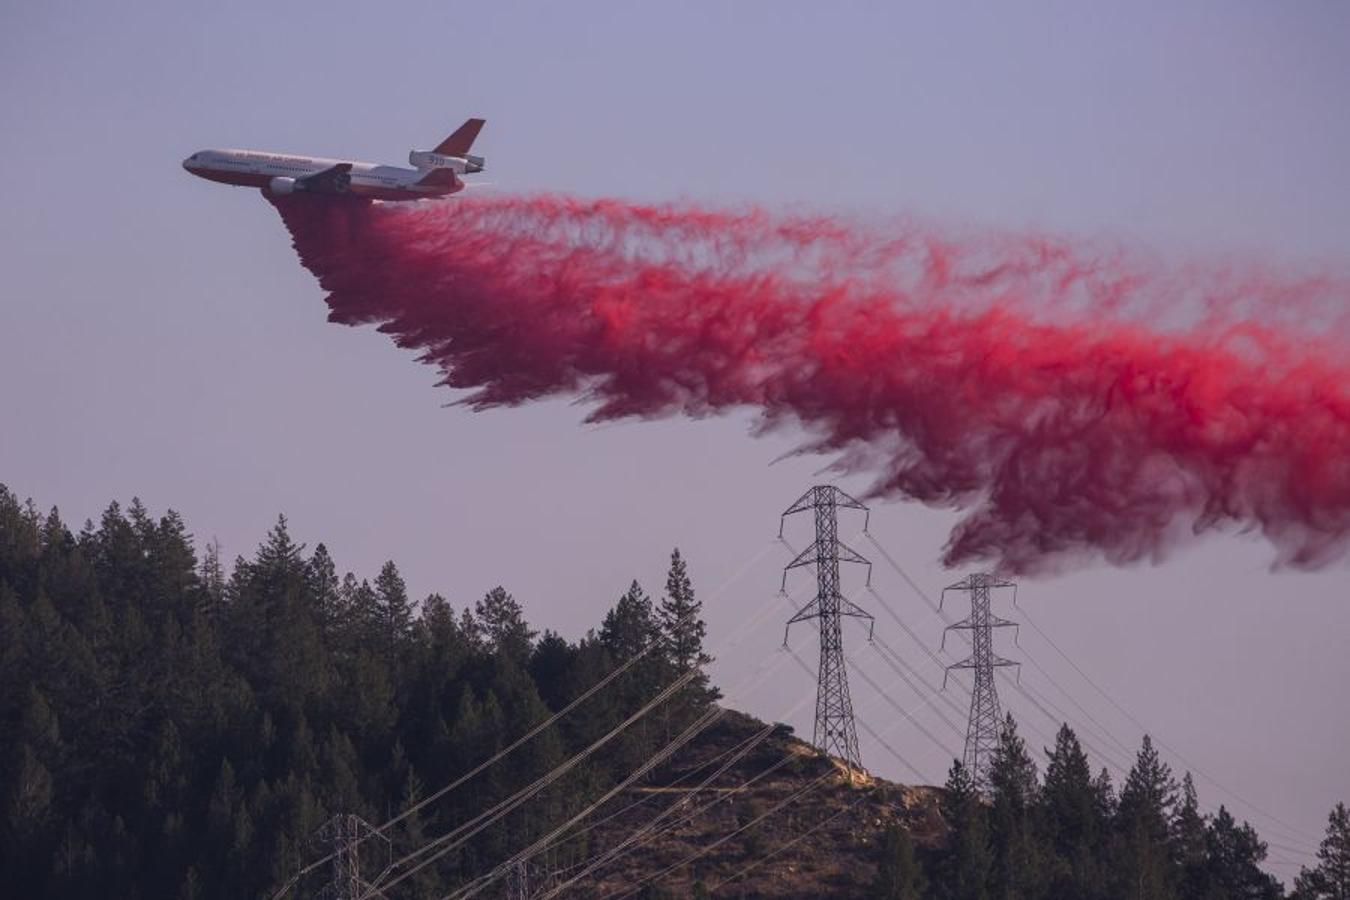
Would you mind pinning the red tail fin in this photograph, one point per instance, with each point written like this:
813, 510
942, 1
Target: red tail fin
459, 143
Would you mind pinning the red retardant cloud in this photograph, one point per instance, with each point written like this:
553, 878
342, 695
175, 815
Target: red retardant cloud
1071, 404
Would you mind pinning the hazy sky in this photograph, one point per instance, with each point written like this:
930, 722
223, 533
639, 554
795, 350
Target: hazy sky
158, 337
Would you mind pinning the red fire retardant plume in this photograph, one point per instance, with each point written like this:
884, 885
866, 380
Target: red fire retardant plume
1071, 403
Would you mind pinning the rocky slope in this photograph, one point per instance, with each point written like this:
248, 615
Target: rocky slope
803, 826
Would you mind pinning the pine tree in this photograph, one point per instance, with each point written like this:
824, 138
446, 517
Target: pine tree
1068, 799
1143, 815
394, 613
1233, 862
503, 623
362, 613
172, 564
326, 589
553, 658
412, 836
1330, 878
1104, 800
1188, 841
681, 621
1014, 787
681, 624
899, 875
470, 628
213, 580
272, 626
28, 807
630, 626
1149, 793
968, 863
629, 630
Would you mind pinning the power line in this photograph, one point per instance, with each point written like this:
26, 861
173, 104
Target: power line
890, 702
919, 641
787, 757
1109, 735
648, 830
512, 803
883, 695
896, 754
1039, 701
1271, 817
748, 683
651, 829
458, 836
898, 665
810, 786
792, 843
909, 717
777, 658
1299, 833
644, 834
696, 728
533, 732
345, 833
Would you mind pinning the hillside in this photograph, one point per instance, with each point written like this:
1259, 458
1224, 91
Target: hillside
823, 843
177, 728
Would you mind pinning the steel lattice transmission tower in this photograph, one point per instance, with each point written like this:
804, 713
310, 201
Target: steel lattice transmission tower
518, 881
982, 731
835, 731
345, 834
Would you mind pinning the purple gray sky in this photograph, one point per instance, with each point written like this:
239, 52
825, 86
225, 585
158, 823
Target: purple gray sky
158, 338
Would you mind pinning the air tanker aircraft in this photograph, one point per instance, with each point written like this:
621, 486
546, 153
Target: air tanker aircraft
435, 173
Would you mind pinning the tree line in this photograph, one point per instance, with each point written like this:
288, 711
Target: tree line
179, 727
174, 729
1070, 835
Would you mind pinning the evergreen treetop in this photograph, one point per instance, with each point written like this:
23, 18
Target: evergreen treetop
1330, 878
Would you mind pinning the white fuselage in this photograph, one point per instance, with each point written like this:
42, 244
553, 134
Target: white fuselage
281, 173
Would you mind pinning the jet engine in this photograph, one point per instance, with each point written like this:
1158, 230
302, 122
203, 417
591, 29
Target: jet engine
426, 159
282, 185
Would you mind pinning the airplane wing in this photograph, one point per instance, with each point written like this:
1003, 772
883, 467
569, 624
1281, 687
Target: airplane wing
334, 180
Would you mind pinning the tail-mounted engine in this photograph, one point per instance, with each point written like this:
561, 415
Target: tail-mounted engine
463, 165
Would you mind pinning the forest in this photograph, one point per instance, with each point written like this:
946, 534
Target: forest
180, 726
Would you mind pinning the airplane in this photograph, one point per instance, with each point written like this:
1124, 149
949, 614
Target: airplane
435, 173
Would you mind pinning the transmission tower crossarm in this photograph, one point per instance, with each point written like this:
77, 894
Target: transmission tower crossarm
994, 622
848, 554
806, 613
980, 580
848, 608
843, 499
807, 557
804, 502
